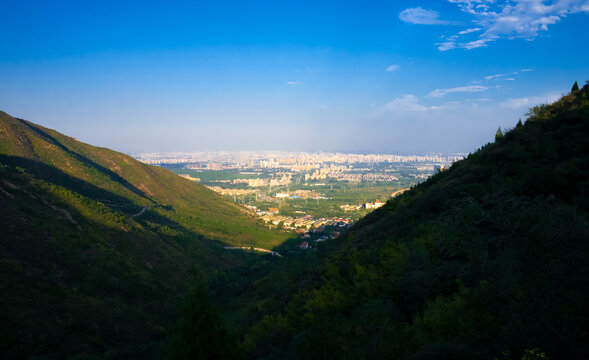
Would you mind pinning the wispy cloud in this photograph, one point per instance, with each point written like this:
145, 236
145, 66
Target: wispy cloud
404, 103
446, 45
509, 19
422, 16
493, 76
450, 41
459, 89
477, 100
468, 31
294, 83
526, 70
391, 68
528, 101
407, 104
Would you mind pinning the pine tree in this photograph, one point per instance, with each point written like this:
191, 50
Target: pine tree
519, 123
575, 87
200, 332
498, 134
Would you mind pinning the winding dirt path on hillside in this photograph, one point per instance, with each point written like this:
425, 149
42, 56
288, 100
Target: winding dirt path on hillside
255, 249
141, 212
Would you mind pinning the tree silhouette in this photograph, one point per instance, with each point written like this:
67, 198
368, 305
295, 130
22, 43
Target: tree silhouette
575, 87
498, 134
200, 332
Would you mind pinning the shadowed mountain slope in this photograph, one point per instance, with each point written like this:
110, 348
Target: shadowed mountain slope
486, 260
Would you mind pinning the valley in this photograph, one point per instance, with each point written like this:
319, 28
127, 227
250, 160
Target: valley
106, 257
314, 180
305, 191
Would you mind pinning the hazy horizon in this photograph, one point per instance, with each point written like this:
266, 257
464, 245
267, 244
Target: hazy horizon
361, 77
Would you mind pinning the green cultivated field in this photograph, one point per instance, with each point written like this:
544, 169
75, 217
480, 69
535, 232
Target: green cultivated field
350, 193
339, 193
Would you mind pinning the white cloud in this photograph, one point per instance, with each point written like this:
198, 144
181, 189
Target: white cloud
477, 43
404, 103
525, 70
294, 83
510, 19
409, 105
468, 31
408, 119
422, 16
529, 101
545, 21
477, 100
493, 76
391, 68
447, 45
469, 88
451, 43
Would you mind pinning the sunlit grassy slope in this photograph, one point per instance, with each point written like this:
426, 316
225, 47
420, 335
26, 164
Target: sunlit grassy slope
96, 248
124, 184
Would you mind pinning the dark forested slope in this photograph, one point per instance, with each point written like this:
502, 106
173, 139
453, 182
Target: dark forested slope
95, 247
488, 259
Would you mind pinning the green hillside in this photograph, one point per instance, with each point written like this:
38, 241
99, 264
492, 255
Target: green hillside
124, 184
486, 260
96, 248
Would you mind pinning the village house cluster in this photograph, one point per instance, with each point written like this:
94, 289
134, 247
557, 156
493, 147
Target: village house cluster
281, 179
368, 206
322, 233
299, 194
231, 192
272, 217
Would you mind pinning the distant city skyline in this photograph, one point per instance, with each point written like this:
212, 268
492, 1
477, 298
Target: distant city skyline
289, 158
410, 77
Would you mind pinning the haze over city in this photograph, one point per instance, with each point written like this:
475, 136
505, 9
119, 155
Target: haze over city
366, 77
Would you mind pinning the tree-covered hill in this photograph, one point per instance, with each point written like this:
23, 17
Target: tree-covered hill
486, 260
96, 248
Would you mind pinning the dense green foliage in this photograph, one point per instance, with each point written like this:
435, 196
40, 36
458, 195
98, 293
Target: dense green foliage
200, 333
95, 247
485, 260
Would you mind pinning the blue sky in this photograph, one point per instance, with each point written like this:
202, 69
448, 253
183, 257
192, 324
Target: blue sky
353, 76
